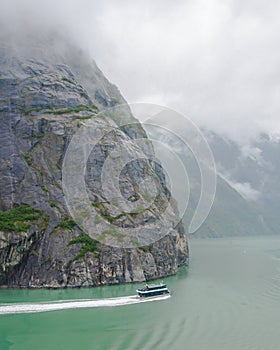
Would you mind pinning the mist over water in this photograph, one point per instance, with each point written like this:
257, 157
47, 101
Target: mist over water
228, 299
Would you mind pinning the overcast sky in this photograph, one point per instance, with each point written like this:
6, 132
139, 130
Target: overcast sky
218, 61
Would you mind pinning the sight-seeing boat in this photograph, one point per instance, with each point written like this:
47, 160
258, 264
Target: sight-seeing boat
153, 290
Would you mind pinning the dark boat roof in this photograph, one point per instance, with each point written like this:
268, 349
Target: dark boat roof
153, 287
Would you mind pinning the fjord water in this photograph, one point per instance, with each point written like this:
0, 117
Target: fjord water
227, 299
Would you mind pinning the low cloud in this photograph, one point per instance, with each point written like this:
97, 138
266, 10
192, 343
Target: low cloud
216, 61
253, 153
243, 188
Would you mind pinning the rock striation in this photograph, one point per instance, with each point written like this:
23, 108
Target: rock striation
44, 100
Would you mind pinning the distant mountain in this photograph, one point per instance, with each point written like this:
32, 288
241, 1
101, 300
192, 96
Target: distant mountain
247, 192
253, 171
231, 215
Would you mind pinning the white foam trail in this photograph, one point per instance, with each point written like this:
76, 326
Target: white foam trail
74, 304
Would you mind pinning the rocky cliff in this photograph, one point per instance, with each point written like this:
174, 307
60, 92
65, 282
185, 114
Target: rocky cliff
44, 100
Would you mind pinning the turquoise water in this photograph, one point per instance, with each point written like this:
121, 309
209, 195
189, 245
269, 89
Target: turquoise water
229, 299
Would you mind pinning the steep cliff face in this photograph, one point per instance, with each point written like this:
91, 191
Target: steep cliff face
44, 100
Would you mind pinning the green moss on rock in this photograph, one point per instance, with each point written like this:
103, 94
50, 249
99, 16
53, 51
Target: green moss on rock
19, 219
66, 224
89, 245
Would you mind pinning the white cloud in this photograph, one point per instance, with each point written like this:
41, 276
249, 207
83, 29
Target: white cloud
253, 153
243, 188
216, 61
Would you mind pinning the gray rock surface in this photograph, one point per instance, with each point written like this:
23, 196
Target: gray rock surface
44, 100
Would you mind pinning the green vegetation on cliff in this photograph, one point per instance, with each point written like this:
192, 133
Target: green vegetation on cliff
89, 245
19, 219
67, 224
105, 213
67, 110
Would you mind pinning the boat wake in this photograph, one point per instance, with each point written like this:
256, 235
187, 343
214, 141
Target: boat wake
75, 304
